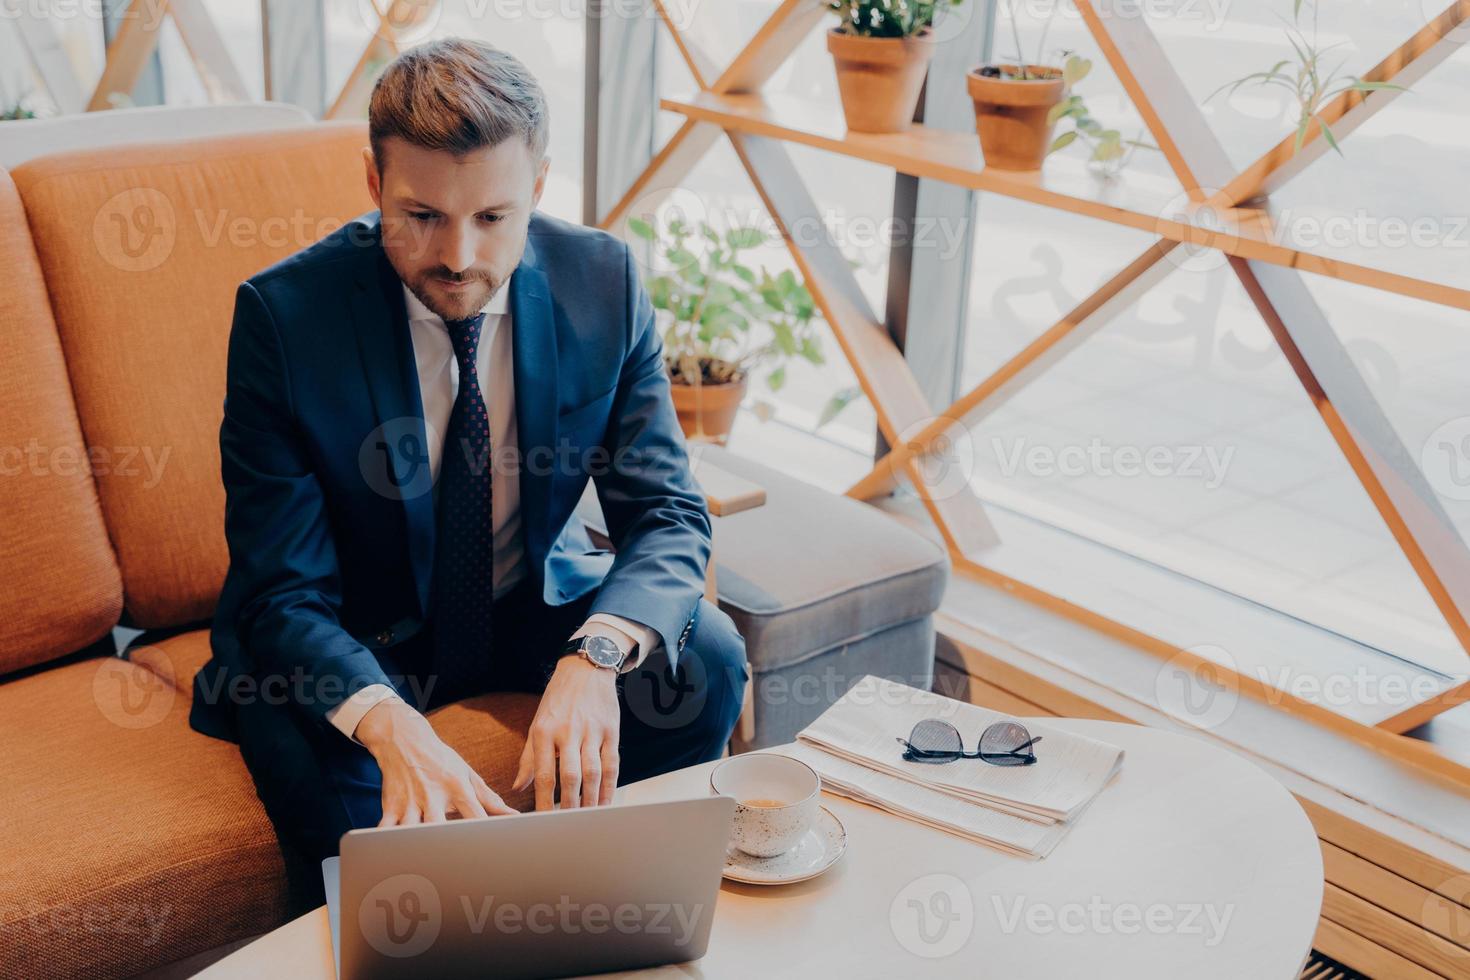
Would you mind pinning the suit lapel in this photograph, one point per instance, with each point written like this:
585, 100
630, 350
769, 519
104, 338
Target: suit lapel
380, 321
533, 331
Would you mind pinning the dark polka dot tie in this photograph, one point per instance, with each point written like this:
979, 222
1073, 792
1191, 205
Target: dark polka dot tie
464, 556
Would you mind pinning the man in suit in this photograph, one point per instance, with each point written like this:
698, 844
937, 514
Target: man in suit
414, 406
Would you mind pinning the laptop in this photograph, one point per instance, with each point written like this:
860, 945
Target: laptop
545, 894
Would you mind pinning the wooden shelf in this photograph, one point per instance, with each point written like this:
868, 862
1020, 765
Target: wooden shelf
1141, 202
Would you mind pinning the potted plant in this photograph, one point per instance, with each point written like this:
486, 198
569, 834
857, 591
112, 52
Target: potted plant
723, 320
1013, 103
881, 52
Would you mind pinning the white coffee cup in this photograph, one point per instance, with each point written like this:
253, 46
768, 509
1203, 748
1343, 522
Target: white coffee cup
776, 800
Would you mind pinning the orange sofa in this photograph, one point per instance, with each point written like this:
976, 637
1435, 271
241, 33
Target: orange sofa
129, 841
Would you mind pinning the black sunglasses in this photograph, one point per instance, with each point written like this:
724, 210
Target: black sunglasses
1005, 743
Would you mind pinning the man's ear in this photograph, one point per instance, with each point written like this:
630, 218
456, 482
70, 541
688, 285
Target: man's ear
540, 182
373, 180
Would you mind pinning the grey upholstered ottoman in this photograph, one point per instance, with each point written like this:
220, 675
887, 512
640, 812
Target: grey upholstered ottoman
824, 589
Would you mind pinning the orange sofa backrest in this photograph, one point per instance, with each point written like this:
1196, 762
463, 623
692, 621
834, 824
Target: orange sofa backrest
61, 587
142, 248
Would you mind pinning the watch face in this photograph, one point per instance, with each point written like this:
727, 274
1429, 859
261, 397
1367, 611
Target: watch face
603, 652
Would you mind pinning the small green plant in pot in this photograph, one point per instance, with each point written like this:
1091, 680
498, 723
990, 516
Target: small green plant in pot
1014, 101
1018, 105
881, 51
723, 321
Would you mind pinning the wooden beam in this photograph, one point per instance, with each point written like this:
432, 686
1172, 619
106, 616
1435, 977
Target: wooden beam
663, 174
383, 46
1055, 343
1161, 98
725, 493
1405, 937
1416, 753
765, 52
1357, 423
1388, 472
49, 58
879, 365
1364, 955
1408, 900
775, 41
1063, 184
1347, 816
212, 61
1404, 66
129, 51
699, 64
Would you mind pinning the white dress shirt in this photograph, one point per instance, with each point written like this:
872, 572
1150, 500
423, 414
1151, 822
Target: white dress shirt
438, 372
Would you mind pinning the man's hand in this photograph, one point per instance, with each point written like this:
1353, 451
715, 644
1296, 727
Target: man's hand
575, 736
423, 779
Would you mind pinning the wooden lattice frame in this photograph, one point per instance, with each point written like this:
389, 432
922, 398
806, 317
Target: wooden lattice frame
1269, 271
128, 54
383, 47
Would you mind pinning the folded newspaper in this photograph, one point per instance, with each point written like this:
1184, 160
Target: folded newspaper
1022, 809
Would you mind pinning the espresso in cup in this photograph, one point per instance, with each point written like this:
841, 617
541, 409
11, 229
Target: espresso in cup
776, 800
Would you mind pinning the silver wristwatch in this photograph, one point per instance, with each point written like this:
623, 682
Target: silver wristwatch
600, 650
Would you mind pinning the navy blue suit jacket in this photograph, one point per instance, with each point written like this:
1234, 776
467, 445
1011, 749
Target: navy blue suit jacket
329, 509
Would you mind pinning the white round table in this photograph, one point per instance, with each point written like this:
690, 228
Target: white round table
1192, 863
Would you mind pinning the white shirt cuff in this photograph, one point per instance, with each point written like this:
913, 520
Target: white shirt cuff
625, 633
345, 716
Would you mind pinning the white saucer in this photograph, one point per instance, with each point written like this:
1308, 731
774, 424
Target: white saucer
818, 850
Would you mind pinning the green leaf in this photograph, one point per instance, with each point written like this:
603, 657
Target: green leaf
837, 403
803, 307
1107, 150
1327, 135
1075, 69
777, 378
781, 333
1362, 86
683, 258
641, 228
744, 273
659, 291
739, 238
1063, 140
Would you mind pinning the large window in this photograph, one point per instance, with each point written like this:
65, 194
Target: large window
1247, 490
1178, 433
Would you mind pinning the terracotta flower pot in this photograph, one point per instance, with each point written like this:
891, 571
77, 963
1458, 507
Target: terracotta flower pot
879, 78
707, 412
1010, 116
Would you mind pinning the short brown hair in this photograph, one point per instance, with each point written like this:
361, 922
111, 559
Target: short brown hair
458, 95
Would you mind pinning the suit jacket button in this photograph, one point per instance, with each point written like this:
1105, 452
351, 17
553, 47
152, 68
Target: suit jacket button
384, 638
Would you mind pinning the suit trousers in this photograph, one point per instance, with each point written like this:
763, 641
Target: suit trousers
316, 783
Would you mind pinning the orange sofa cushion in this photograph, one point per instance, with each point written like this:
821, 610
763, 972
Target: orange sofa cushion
62, 589
142, 249
136, 841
